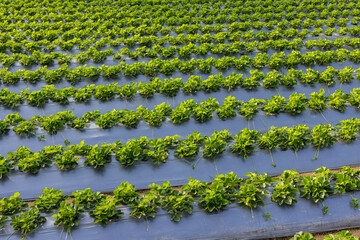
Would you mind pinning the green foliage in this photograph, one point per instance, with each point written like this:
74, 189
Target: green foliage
126, 194
317, 100
98, 157
146, 207
26, 222
12, 204
87, 198
68, 215
296, 103
66, 160
284, 193
251, 196
322, 135
303, 236
106, 211
49, 199
214, 198
194, 187
245, 142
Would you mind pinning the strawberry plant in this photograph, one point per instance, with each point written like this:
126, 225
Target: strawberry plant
322, 136
296, 103
177, 204
26, 222
170, 87
271, 80
5, 167
340, 235
194, 187
303, 236
212, 83
131, 152
214, 146
146, 207
354, 97
250, 108
317, 100
12, 204
66, 160
49, 199
347, 129
297, 137
202, 113
98, 157
87, 198
251, 196
317, 187
214, 198
258, 180
68, 216
245, 142
33, 163
126, 194
290, 176
275, 105
180, 114
347, 181
157, 152
284, 193
106, 211
52, 124
192, 84
338, 100
273, 138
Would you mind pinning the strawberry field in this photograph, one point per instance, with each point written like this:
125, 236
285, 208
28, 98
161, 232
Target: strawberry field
179, 119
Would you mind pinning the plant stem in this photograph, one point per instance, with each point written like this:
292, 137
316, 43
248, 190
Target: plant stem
10, 236
147, 224
194, 165
324, 117
253, 163
216, 167
61, 233
272, 160
307, 116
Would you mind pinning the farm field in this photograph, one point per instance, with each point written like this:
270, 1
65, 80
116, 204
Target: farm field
179, 119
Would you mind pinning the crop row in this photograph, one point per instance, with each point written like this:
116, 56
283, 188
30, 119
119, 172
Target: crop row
171, 87
38, 58
172, 16
296, 104
343, 235
17, 43
168, 67
157, 150
146, 36
211, 197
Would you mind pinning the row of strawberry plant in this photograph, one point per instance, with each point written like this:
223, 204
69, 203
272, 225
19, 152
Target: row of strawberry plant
219, 49
342, 235
107, 10
171, 87
212, 197
275, 61
187, 51
157, 150
296, 104
168, 67
20, 43
238, 20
